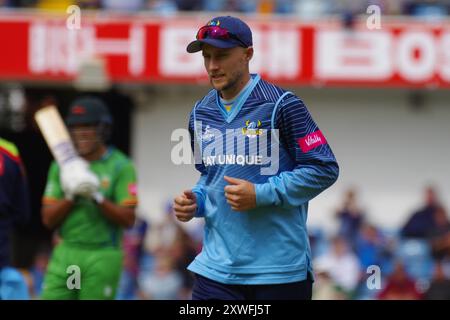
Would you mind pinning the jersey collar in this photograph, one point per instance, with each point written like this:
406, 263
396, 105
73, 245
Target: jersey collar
239, 101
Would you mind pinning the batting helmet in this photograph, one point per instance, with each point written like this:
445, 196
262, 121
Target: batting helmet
90, 111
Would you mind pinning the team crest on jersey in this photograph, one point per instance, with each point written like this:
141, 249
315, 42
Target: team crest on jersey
104, 182
207, 135
252, 129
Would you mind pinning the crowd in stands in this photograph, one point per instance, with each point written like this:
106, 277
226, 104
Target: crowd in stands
412, 262
302, 8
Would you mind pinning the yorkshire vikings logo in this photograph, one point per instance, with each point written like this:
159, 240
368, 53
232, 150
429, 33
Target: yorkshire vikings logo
251, 129
207, 135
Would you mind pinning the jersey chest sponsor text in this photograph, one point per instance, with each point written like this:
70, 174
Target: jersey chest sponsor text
248, 145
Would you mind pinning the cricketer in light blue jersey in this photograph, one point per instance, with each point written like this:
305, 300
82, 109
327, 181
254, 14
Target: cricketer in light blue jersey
262, 158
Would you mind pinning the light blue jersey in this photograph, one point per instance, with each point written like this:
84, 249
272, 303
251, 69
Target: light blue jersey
269, 244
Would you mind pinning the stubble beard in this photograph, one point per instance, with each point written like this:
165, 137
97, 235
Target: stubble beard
229, 84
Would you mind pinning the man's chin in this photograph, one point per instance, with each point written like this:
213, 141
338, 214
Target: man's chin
218, 85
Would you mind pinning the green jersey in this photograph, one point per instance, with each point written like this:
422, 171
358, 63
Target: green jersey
86, 224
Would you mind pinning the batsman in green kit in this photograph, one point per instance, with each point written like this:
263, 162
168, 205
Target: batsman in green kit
91, 200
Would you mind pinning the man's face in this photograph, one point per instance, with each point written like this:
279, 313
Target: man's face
225, 67
85, 138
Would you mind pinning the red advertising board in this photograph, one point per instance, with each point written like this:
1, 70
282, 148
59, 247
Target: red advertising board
147, 49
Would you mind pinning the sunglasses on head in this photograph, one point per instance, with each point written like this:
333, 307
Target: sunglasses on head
215, 32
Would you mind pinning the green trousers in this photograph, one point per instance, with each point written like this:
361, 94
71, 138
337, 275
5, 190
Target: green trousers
77, 272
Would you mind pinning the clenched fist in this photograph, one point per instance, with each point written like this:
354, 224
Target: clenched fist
185, 206
240, 194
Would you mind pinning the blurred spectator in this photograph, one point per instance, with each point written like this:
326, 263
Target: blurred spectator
21, 3
214, 5
54, 5
189, 5
317, 241
371, 247
164, 7
440, 235
350, 217
422, 222
304, 8
347, 6
121, 5
266, 6
284, 6
341, 264
427, 9
167, 240
324, 287
164, 283
89, 4
38, 270
415, 254
250, 6
399, 286
183, 251
440, 285
162, 234
14, 211
394, 7
132, 245
6, 4
312, 8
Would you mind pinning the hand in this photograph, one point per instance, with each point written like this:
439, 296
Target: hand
77, 179
87, 185
240, 194
185, 206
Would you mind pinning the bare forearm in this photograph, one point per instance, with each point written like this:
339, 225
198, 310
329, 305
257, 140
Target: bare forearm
53, 215
123, 216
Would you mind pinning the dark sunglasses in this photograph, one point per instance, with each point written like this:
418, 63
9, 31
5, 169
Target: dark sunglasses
215, 32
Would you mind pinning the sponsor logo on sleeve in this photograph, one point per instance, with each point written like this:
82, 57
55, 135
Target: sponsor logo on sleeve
311, 141
132, 189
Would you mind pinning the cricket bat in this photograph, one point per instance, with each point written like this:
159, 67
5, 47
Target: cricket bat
56, 134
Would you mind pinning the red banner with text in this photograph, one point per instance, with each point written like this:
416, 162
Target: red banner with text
147, 49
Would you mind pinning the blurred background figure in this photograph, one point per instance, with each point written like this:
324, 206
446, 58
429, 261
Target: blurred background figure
325, 288
14, 210
372, 247
54, 5
133, 240
350, 217
422, 222
37, 271
440, 235
164, 282
123, 6
168, 249
400, 286
440, 284
342, 265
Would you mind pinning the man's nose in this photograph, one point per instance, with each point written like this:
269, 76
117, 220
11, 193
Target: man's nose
213, 65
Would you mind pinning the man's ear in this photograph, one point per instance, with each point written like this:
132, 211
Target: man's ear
249, 53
